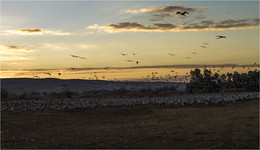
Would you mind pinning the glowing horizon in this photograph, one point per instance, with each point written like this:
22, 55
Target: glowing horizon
54, 36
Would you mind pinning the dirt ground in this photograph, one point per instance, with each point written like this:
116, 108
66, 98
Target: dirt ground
234, 125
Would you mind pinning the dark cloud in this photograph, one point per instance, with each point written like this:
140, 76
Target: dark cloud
36, 31
30, 30
203, 25
133, 67
207, 22
13, 47
169, 8
195, 26
242, 23
226, 24
138, 26
43, 70
163, 15
129, 25
164, 26
126, 25
170, 11
230, 21
174, 8
232, 26
160, 66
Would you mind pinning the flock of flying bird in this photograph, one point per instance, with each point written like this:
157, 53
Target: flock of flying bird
123, 54
204, 45
171, 54
153, 75
174, 76
74, 56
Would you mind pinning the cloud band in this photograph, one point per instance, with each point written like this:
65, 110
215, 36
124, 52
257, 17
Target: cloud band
160, 27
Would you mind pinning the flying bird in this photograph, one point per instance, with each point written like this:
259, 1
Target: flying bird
187, 57
134, 53
129, 60
171, 54
59, 73
47, 73
107, 67
182, 13
137, 62
194, 53
220, 36
206, 43
123, 54
82, 58
74, 56
203, 46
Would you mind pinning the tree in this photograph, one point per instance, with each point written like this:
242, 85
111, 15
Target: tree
208, 82
252, 81
196, 81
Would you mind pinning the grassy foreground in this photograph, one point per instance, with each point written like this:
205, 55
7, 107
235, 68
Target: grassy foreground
234, 125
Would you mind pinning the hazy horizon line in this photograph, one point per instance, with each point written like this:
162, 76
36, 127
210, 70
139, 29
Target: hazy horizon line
139, 67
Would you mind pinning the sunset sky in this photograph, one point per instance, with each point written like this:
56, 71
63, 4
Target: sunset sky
41, 37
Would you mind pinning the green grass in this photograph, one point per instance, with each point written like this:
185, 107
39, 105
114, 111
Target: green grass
233, 125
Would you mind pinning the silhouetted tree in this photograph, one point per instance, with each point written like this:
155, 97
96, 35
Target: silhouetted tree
208, 83
196, 81
252, 81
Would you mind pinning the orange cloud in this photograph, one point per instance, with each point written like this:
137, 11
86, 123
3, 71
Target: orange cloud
30, 30
36, 31
165, 9
160, 27
15, 53
13, 47
26, 31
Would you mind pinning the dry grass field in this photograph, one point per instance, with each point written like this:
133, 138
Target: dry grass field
233, 125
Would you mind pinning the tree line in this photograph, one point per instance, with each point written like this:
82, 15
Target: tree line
207, 82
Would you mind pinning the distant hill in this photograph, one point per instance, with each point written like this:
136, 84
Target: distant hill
28, 85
